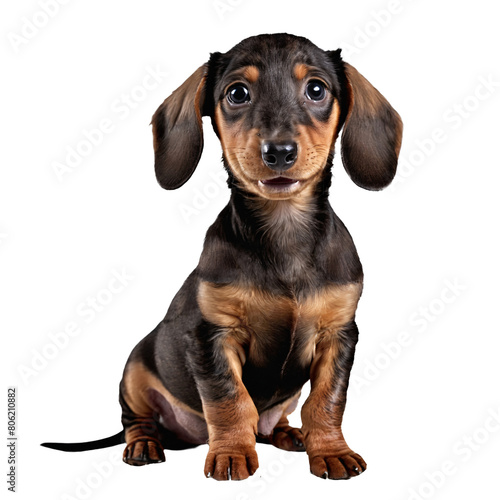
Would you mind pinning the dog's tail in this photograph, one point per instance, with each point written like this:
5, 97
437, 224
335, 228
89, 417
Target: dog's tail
88, 445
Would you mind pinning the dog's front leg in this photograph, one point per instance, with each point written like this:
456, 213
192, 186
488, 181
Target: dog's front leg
329, 455
231, 417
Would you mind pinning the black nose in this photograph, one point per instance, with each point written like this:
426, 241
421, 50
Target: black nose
279, 155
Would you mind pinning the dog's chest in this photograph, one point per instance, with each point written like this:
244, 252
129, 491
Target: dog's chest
272, 328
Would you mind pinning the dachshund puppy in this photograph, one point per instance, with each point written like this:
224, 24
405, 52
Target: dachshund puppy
272, 301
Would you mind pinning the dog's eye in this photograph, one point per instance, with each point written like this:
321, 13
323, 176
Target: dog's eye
238, 94
315, 90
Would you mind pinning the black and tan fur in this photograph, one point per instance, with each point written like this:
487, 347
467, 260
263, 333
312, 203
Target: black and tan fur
272, 301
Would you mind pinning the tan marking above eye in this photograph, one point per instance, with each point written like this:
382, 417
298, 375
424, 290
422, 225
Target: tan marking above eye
251, 74
300, 71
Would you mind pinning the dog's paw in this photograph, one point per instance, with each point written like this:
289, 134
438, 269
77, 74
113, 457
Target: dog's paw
288, 438
143, 451
337, 466
236, 465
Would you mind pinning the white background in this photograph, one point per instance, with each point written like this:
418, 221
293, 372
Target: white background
424, 390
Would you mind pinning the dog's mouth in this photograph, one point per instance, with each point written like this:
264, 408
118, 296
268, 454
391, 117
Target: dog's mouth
279, 183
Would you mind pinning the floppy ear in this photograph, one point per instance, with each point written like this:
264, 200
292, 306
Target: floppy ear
178, 132
372, 134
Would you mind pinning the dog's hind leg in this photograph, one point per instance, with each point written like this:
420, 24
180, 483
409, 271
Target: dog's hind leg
283, 435
154, 419
142, 434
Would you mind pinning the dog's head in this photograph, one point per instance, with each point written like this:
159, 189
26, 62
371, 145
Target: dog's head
277, 104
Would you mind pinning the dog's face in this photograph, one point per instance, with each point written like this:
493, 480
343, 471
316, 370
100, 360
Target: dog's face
277, 112
277, 103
